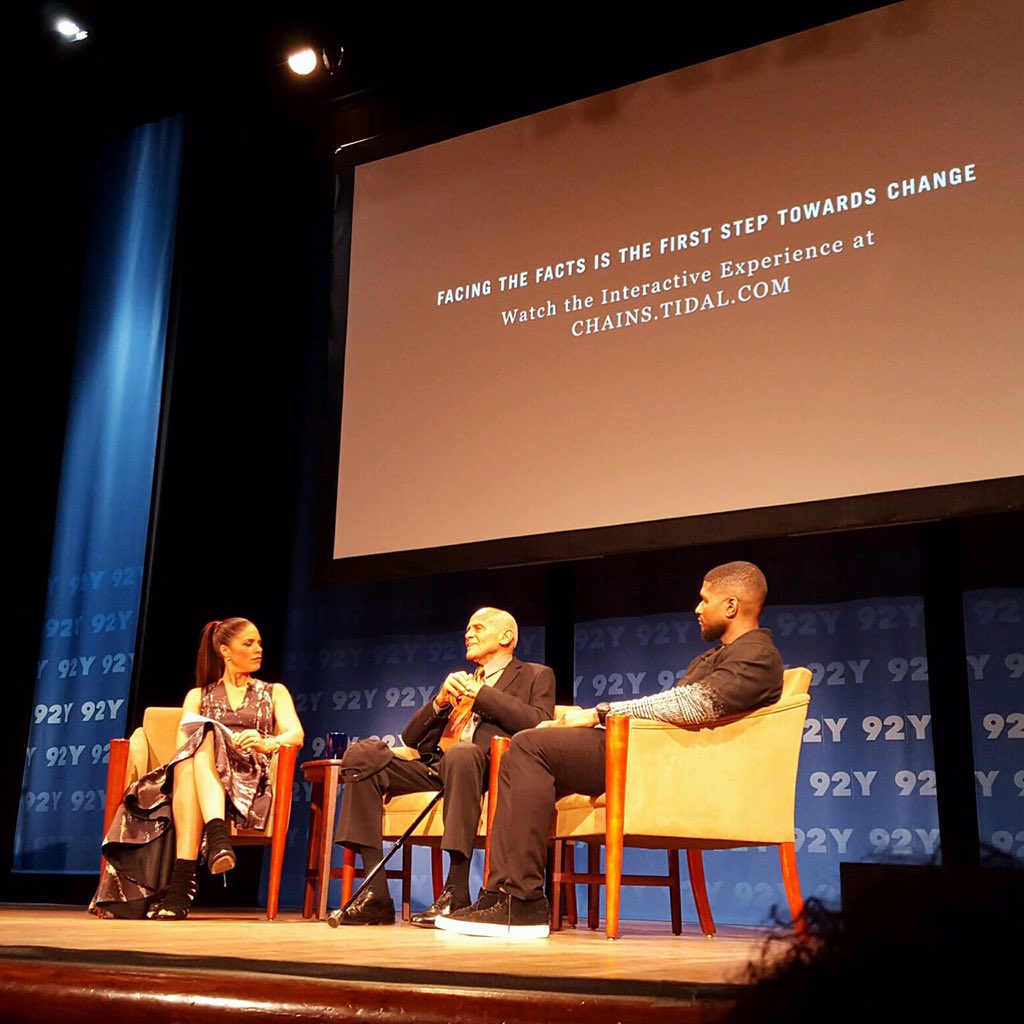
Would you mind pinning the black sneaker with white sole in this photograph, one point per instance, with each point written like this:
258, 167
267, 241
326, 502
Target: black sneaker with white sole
501, 916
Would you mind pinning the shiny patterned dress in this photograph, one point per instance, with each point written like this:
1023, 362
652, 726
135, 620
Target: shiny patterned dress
139, 845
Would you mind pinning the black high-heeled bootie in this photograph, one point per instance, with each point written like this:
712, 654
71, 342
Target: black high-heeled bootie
180, 893
220, 857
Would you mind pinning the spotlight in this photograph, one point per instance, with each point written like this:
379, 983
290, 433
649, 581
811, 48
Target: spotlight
306, 61
303, 62
70, 31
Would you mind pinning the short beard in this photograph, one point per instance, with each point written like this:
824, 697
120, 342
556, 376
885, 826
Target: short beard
712, 632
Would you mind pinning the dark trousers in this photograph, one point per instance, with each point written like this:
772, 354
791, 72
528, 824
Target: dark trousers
539, 767
461, 773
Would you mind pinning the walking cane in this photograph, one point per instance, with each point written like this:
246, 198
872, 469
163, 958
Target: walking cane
334, 917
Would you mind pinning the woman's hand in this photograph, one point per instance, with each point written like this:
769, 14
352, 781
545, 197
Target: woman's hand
248, 740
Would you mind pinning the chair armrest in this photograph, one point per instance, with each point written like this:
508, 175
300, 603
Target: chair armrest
283, 771
724, 768
281, 775
282, 765
117, 763
781, 706
499, 744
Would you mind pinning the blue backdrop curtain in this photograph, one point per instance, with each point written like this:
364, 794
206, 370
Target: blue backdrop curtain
87, 647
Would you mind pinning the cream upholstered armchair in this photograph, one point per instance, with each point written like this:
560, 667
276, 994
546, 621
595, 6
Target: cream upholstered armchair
154, 742
730, 784
401, 811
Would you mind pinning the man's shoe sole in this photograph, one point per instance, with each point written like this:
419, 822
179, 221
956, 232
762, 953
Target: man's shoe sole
461, 926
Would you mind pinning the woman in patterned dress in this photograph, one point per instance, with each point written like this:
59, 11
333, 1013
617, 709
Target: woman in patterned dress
231, 725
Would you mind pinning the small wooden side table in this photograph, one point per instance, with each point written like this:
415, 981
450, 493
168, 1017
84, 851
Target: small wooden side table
324, 776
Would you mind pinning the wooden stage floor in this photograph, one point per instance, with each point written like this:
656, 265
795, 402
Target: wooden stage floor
61, 963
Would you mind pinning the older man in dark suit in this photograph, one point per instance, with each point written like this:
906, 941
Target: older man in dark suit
453, 736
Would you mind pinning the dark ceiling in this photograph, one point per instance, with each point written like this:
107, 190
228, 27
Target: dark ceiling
462, 66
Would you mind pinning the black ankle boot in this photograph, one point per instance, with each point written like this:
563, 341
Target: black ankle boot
180, 892
219, 855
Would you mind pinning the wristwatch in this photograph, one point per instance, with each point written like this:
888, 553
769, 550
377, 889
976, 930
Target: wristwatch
602, 710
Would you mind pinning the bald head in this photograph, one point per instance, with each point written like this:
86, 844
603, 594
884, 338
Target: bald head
490, 633
504, 623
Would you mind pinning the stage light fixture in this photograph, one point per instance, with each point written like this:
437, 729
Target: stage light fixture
303, 62
307, 60
70, 30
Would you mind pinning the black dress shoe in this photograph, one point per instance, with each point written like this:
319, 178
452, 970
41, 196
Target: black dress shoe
443, 906
367, 909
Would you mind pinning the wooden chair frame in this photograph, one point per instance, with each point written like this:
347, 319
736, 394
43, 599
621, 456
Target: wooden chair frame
154, 743
401, 811
694, 758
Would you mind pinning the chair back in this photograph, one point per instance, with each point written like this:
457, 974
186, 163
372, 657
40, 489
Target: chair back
155, 742
152, 744
402, 810
796, 681
727, 784
160, 726
735, 778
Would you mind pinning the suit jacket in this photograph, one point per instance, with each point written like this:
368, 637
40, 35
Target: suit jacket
523, 695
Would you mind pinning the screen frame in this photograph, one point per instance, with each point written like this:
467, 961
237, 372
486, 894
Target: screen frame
854, 512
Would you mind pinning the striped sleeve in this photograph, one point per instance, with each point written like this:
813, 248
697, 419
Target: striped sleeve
695, 704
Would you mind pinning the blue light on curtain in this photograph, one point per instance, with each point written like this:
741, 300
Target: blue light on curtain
102, 521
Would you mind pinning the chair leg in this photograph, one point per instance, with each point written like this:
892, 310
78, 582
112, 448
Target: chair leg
557, 855
406, 872
282, 816
277, 845
791, 883
117, 768
675, 903
695, 865
436, 870
313, 879
593, 888
321, 836
569, 893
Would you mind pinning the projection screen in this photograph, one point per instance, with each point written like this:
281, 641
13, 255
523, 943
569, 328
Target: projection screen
789, 275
